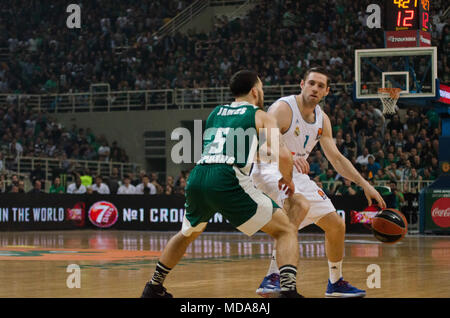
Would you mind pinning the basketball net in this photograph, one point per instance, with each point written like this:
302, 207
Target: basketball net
389, 97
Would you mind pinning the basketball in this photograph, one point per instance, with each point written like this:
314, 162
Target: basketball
389, 226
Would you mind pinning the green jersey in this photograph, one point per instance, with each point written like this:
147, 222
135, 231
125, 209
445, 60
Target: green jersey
231, 136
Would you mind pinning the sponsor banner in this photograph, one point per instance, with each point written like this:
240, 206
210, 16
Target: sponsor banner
444, 92
143, 212
405, 38
424, 38
129, 212
437, 211
41, 212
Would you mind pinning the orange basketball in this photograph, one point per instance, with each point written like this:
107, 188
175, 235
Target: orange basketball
389, 226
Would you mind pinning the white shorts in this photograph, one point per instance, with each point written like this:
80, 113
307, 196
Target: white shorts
265, 177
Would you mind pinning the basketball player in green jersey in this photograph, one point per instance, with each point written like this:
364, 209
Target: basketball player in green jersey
221, 182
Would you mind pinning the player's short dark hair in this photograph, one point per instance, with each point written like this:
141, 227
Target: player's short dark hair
320, 70
242, 82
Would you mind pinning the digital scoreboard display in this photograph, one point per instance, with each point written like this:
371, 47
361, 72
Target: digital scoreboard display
407, 15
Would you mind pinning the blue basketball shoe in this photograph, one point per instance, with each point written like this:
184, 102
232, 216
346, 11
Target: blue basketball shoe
270, 286
342, 289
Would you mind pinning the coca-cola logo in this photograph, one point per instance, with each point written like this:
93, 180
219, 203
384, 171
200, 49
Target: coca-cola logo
440, 212
103, 214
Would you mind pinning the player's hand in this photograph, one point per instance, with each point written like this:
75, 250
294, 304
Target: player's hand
302, 165
287, 187
371, 193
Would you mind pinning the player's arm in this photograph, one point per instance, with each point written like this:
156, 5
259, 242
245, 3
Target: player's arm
343, 166
269, 127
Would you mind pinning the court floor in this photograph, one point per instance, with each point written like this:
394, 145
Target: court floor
218, 265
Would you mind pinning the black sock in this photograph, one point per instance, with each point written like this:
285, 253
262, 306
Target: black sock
288, 277
160, 274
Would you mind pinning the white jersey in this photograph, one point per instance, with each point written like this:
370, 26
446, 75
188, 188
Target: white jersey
302, 137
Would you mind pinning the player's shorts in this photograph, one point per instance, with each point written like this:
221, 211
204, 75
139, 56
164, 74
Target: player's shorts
266, 176
225, 189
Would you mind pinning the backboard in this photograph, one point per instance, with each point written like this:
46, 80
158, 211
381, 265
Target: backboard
413, 70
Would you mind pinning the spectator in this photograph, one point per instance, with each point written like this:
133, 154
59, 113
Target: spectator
168, 190
21, 186
394, 173
113, 181
169, 181
399, 197
104, 151
57, 187
346, 188
412, 183
363, 159
37, 173
381, 176
145, 187
372, 166
180, 189
154, 181
14, 189
350, 146
14, 182
37, 187
138, 179
100, 187
127, 187
76, 187
327, 180
86, 178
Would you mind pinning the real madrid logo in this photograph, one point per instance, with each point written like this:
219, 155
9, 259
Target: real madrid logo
297, 131
445, 167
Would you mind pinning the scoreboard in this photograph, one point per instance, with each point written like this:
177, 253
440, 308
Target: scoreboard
407, 15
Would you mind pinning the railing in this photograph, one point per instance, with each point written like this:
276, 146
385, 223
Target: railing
4, 54
242, 10
182, 18
223, 3
406, 186
147, 100
25, 165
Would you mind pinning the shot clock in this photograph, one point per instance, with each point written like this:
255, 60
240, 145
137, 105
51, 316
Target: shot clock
407, 23
407, 15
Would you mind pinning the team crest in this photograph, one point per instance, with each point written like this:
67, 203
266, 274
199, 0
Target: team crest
297, 131
322, 194
319, 134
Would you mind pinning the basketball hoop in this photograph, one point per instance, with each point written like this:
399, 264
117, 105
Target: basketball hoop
389, 97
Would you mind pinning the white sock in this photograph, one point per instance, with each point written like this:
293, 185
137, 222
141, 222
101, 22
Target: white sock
273, 264
335, 271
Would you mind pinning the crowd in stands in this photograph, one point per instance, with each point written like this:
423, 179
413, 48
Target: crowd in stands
279, 39
27, 133
88, 182
397, 153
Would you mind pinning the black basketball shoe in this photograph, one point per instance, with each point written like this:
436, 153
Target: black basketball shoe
155, 291
290, 294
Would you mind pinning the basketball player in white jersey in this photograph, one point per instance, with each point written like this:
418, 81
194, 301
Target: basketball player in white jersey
303, 124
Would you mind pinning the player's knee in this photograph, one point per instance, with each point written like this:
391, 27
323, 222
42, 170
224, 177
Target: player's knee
337, 227
281, 226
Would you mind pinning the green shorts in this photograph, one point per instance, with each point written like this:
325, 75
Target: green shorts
225, 189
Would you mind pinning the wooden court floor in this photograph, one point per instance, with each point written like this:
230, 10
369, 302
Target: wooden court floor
217, 265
